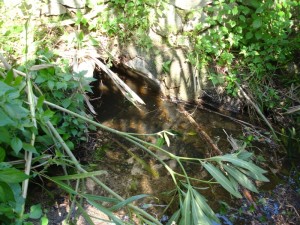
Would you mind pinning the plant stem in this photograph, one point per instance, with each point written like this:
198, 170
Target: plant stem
106, 188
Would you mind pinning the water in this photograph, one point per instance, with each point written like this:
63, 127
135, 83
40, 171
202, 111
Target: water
130, 177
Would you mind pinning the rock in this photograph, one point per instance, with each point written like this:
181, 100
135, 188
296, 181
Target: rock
76, 4
168, 23
190, 4
53, 9
196, 21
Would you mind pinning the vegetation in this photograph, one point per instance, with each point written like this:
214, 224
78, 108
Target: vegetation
43, 116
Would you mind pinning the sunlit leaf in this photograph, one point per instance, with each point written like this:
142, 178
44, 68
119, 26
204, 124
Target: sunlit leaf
167, 139
221, 179
45, 221
240, 177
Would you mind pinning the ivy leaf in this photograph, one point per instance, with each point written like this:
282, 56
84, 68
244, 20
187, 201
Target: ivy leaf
16, 144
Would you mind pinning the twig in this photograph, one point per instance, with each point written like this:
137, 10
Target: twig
200, 130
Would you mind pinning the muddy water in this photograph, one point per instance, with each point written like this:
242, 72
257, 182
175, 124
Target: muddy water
128, 175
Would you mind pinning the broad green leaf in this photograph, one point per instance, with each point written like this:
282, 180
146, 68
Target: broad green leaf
40, 102
29, 148
35, 211
107, 212
241, 163
257, 23
186, 209
6, 194
45, 221
15, 111
127, 201
12, 175
16, 144
5, 135
221, 179
5, 119
240, 177
2, 154
4, 88
80, 175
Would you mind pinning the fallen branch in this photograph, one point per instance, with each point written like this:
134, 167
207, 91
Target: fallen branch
200, 130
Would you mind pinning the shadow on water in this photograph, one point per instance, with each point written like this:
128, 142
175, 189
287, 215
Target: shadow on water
129, 176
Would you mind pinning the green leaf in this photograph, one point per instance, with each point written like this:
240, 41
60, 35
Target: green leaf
16, 145
5, 120
44, 220
256, 176
5, 135
35, 211
240, 177
4, 88
221, 179
84, 214
257, 23
80, 175
201, 201
2, 154
12, 175
241, 163
50, 84
6, 193
100, 198
174, 217
198, 215
186, 209
29, 148
127, 201
40, 102
244, 155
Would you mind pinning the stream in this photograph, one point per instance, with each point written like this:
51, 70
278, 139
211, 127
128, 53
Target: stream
132, 171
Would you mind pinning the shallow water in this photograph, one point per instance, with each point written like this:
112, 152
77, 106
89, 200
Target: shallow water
131, 178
